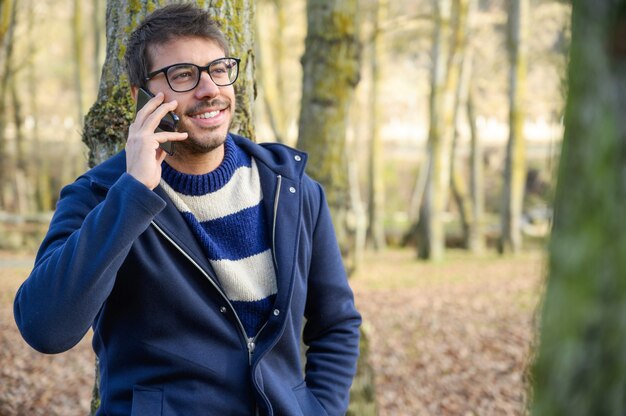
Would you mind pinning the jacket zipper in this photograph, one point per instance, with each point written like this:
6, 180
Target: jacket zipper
252, 340
248, 341
279, 181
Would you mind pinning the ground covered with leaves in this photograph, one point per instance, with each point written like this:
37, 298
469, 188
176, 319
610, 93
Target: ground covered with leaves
452, 338
445, 339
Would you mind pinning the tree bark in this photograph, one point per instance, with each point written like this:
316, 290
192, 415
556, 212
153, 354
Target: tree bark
515, 165
581, 366
330, 75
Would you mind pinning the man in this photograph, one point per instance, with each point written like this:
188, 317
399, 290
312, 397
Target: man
197, 271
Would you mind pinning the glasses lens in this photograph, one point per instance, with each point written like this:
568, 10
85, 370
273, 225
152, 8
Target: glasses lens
183, 77
224, 71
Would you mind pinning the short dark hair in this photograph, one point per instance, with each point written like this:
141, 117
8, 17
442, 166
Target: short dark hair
163, 25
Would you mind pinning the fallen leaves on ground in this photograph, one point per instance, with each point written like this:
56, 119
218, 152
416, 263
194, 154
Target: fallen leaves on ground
452, 338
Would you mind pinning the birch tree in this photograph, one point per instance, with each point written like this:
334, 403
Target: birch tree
581, 365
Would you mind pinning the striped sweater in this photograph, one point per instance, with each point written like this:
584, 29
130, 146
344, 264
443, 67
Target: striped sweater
225, 211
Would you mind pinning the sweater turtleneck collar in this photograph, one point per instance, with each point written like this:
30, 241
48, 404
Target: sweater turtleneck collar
209, 182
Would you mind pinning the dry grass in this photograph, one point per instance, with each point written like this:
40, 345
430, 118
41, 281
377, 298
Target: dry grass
446, 339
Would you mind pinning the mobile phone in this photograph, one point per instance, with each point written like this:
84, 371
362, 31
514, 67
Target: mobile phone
167, 123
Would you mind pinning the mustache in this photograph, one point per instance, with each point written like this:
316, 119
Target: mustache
207, 106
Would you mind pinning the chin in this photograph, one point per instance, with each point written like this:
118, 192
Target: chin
206, 144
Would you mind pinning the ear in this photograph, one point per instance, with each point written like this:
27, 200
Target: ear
133, 91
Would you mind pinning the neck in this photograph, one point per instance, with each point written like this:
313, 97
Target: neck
196, 163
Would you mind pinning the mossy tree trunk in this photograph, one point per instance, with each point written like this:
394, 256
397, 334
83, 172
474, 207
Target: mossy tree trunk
581, 366
330, 74
106, 124
515, 165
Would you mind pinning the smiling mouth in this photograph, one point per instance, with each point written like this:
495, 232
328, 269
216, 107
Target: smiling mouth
208, 114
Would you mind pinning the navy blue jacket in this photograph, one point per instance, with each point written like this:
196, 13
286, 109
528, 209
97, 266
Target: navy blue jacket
120, 258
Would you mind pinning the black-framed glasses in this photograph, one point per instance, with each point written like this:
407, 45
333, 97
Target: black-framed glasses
186, 77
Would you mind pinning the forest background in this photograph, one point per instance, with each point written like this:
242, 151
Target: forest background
58, 52
55, 53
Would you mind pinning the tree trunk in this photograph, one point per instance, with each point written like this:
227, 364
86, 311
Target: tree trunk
476, 234
515, 165
96, 19
330, 74
463, 63
431, 229
8, 17
581, 366
77, 43
271, 71
22, 188
106, 124
376, 229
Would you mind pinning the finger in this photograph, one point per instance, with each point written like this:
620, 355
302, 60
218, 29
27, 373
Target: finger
151, 105
166, 136
155, 117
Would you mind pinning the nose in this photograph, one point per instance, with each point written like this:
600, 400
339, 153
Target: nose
206, 87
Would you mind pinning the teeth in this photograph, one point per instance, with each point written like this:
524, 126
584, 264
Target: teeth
208, 115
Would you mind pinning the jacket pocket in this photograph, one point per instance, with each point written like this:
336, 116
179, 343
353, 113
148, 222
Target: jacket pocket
308, 402
147, 401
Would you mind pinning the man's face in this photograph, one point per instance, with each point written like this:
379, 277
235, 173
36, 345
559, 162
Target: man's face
206, 111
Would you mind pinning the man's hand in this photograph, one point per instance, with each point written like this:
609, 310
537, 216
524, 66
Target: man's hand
143, 154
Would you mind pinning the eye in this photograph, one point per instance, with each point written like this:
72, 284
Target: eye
219, 69
181, 73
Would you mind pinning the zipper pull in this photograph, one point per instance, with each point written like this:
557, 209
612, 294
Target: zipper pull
251, 345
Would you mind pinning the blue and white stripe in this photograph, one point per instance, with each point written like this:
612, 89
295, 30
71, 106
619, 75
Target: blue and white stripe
224, 208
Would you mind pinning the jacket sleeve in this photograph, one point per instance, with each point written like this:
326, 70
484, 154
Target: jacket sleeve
76, 265
332, 327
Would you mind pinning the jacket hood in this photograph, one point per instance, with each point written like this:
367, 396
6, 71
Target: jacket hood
281, 159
